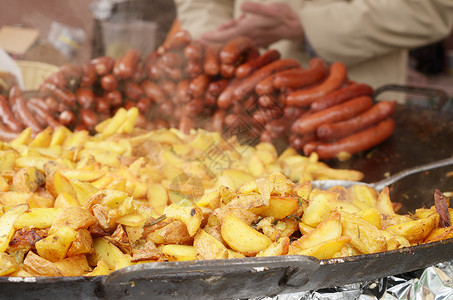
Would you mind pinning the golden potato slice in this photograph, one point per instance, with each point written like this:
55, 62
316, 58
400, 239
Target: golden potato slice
327, 230
439, 234
82, 244
65, 200
173, 233
372, 216
73, 217
326, 249
363, 196
7, 224
190, 215
37, 218
280, 207
241, 237
83, 190
10, 199
179, 252
210, 200
56, 184
73, 266
55, 246
364, 237
157, 196
113, 257
383, 203
208, 247
38, 266
8, 264
416, 230
318, 209
28, 180
280, 247
100, 269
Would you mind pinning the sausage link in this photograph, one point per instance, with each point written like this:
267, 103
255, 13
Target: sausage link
43, 114
375, 114
278, 128
234, 48
153, 91
173, 73
211, 63
71, 71
193, 108
299, 142
109, 82
356, 142
217, 121
268, 101
249, 67
185, 124
240, 88
194, 51
341, 95
6, 134
65, 96
172, 59
89, 118
198, 85
24, 115
193, 68
309, 124
292, 112
102, 105
89, 76
300, 77
67, 118
265, 86
337, 76
85, 97
178, 40
126, 65
7, 116
182, 91
227, 70
103, 65
133, 90
217, 87
264, 116
58, 79
168, 86
115, 98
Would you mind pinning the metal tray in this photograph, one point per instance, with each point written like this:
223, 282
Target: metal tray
423, 134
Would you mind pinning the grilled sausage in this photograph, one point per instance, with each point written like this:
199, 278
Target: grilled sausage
378, 112
7, 116
354, 143
249, 67
300, 77
211, 63
309, 124
337, 76
341, 95
238, 89
234, 48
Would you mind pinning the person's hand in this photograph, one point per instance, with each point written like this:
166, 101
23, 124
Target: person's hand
263, 23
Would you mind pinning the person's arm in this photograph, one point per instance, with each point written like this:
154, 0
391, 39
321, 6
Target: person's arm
358, 30
200, 16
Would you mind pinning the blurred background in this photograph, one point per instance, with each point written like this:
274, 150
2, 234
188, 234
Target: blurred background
57, 32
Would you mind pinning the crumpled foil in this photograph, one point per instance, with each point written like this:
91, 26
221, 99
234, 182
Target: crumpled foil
432, 283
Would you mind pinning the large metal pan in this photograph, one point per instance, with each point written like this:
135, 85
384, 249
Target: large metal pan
228, 279
422, 135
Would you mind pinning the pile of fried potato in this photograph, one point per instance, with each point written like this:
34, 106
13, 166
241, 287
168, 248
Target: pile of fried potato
72, 204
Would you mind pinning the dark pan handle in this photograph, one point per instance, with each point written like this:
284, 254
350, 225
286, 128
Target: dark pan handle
440, 95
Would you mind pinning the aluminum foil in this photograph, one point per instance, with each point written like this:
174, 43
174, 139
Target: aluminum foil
433, 283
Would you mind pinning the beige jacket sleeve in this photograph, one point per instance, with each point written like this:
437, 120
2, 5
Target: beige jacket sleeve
358, 30
200, 16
